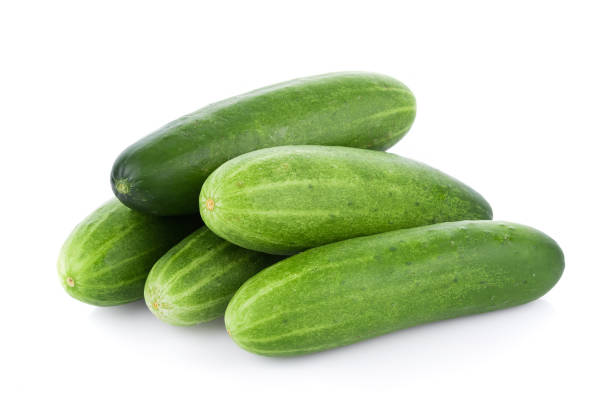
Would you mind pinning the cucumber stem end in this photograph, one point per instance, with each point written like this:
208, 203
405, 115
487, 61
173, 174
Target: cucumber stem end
122, 186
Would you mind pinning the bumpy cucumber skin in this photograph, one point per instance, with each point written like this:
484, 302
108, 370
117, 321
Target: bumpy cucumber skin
283, 200
193, 282
162, 173
356, 289
107, 257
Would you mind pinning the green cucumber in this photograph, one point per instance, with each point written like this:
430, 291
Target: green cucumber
193, 282
162, 173
283, 200
356, 289
106, 258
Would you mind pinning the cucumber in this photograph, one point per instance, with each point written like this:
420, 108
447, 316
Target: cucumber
352, 290
162, 173
283, 200
193, 282
106, 258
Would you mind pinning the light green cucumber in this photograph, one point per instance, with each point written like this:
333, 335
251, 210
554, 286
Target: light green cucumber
283, 200
352, 290
107, 257
193, 282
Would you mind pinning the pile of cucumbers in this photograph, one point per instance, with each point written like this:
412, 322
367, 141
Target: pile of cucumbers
312, 236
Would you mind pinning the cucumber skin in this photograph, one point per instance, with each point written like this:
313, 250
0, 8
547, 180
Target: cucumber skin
356, 289
283, 200
108, 255
193, 282
162, 173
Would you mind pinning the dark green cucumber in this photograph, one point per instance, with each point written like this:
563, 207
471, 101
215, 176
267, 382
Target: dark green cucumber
285, 199
162, 174
106, 258
193, 282
352, 290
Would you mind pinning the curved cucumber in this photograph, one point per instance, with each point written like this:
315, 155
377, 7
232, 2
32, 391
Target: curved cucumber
352, 290
162, 173
106, 258
193, 282
286, 199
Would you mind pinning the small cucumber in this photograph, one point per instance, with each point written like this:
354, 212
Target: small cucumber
193, 282
283, 200
107, 257
162, 173
352, 290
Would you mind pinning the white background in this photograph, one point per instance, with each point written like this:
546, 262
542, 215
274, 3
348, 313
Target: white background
514, 98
